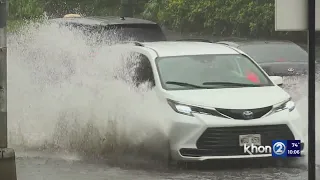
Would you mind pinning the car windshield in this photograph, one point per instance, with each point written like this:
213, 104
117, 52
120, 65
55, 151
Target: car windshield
273, 52
210, 71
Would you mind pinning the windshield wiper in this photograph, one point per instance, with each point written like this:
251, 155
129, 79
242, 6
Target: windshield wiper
233, 84
184, 84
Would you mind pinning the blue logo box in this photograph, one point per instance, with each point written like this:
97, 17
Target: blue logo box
294, 148
286, 148
279, 148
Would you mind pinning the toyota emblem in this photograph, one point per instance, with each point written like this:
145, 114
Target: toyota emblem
247, 114
290, 69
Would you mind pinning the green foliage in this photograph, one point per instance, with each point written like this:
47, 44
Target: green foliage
254, 18
220, 17
29, 9
25, 9
14, 25
87, 7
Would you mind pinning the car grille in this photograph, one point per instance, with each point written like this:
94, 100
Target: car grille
238, 113
224, 141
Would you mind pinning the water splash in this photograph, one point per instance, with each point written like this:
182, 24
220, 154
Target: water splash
298, 89
302, 105
63, 97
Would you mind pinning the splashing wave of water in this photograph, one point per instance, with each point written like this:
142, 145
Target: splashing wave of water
298, 89
63, 97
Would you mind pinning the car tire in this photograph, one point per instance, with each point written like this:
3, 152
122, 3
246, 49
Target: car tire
171, 162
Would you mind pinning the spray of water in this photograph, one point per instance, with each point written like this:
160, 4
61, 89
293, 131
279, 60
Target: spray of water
302, 105
298, 89
63, 97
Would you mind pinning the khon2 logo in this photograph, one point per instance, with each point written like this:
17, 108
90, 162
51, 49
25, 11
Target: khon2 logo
279, 148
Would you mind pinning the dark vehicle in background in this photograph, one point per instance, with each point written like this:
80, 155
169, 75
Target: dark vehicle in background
123, 27
277, 58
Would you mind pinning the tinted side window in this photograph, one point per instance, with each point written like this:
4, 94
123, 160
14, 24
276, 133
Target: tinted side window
143, 71
87, 30
138, 32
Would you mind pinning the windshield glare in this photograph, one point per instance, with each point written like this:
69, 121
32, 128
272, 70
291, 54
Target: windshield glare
210, 71
275, 52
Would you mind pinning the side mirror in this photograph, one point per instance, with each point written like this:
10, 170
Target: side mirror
277, 80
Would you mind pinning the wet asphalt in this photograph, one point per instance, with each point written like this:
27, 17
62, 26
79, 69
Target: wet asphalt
52, 169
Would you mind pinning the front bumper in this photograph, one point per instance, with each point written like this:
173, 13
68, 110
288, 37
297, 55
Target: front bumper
205, 137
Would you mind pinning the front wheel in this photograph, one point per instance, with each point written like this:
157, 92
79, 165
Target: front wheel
172, 163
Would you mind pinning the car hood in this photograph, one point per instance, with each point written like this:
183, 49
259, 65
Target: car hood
231, 98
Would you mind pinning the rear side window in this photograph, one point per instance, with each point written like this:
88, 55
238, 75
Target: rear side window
264, 53
135, 68
138, 32
87, 30
143, 71
120, 32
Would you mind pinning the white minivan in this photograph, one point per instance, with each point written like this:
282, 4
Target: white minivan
221, 100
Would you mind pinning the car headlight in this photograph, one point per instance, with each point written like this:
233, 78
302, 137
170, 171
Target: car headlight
289, 104
180, 108
190, 110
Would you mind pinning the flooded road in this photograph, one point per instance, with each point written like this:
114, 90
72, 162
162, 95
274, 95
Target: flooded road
51, 169
62, 97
